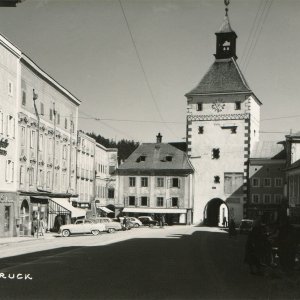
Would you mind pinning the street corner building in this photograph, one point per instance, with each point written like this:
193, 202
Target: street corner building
156, 180
38, 139
223, 121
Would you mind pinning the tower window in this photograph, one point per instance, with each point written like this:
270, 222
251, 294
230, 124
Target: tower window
199, 106
215, 153
226, 46
237, 105
217, 179
200, 129
233, 130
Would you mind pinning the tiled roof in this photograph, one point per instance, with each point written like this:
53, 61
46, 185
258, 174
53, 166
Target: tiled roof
224, 76
268, 150
155, 158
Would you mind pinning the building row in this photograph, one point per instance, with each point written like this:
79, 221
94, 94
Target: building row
223, 170
47, 164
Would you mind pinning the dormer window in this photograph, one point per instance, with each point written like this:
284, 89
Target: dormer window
141, 158
169, 158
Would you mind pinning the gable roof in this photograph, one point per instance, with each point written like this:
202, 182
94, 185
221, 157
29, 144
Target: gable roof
268, 150
155, 160
224, 76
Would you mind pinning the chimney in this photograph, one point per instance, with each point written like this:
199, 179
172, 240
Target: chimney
158, 138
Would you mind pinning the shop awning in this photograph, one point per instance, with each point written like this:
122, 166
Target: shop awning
63, 206
105, 209
155, 210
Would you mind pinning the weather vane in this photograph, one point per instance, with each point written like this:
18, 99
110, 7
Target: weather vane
226, 3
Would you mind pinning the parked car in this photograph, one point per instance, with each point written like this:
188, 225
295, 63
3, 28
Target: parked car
245, 226
110, 225
80, 227
148, 221
134, 221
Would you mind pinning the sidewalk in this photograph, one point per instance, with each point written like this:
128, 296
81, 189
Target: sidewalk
20, 239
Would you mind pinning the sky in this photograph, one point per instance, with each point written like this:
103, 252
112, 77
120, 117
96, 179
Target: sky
131, 62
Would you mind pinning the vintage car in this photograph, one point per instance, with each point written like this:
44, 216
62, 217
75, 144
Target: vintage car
80, 227
134, 221
245, 226
148, 221
110, 225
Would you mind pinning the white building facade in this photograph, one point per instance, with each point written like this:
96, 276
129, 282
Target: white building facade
47, 126
85, 168
222, 125
9, 89
106, 162
156, 180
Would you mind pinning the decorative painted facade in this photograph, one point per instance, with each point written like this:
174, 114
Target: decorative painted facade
223, 116
47, 120
85, 168
38, 139
9, 89
156, 179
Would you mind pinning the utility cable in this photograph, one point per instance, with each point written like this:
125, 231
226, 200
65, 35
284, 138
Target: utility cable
143, 69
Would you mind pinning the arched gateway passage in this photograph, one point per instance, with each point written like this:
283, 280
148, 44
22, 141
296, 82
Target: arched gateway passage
215, 211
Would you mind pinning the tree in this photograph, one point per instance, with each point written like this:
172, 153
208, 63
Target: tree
125, 147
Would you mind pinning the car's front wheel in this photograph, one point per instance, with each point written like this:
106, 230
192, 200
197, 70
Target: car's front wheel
66, 233
95, 232
111, 230
136, 225
151, 225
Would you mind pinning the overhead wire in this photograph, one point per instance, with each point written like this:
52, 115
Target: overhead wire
260, 28
143, 69
246, 48
253, 32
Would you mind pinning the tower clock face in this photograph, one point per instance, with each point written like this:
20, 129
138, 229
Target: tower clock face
218, 105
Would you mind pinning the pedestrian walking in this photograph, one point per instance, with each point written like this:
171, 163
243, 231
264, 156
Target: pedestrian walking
34, 226
255, 248
163, 220
42, 227
231, 228
224, 223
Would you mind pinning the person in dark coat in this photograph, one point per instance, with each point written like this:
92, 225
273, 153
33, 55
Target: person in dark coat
254, 250
34, 226
287, 246
231, 228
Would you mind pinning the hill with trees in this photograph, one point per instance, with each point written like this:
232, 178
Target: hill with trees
125, 147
